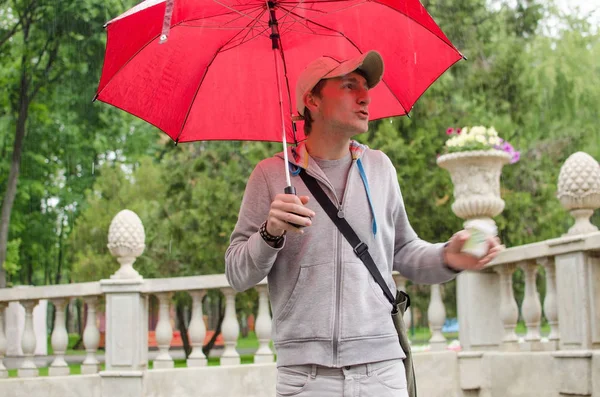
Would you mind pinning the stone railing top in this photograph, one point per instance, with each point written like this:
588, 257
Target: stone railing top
148, 286
191, 283
548, 248
25, 293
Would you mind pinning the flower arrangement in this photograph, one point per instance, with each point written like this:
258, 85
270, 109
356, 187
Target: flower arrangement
478, 138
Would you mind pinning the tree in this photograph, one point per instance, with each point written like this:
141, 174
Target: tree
51, 60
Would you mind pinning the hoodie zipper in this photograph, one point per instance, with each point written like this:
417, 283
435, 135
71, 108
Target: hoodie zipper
338, 279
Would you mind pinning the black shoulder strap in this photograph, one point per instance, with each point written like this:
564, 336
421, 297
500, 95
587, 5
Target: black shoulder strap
360, 249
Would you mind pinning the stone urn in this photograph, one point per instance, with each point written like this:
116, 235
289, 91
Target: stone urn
579, 190
126, 238
476, 178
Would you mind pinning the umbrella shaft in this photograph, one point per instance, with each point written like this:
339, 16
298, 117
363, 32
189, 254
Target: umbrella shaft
283, 135
274, 25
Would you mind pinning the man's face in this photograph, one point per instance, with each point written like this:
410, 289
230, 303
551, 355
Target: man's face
344, 104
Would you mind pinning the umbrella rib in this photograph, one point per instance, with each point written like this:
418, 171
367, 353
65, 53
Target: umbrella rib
243, 42
249, 30
290, 12
235, 11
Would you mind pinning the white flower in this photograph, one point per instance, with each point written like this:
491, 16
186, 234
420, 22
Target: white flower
478, 130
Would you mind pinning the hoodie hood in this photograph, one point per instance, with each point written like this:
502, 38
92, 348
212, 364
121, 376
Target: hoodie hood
299, 156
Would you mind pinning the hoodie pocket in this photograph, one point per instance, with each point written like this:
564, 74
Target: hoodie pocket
365, 311
308, 313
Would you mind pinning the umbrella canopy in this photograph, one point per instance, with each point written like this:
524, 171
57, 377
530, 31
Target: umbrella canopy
216, 77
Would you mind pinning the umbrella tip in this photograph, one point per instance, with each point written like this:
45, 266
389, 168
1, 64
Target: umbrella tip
94, 98
464, 57
408, 115
176, 141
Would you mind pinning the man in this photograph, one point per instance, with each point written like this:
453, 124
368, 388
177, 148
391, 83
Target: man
332, 327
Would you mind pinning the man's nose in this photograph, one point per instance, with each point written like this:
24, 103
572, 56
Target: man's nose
364, 98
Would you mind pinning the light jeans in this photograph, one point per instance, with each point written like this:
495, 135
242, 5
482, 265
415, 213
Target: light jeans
380, 379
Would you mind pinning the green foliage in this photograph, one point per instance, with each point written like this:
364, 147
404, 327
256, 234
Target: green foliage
11, 265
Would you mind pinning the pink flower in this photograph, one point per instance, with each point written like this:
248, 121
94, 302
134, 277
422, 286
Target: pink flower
516, 156
450, 131
458, 130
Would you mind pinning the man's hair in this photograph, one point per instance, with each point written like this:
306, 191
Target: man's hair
316, 91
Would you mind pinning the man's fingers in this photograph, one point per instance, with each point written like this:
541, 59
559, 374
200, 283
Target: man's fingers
288, 198
458, 240
293, 207
285, 219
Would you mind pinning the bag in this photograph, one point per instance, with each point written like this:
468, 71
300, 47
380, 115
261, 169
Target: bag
403, 303
400, 302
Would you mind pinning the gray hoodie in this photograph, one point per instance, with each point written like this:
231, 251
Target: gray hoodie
327, 309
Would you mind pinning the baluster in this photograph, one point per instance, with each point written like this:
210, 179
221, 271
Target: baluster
531, 309
3, 371
509, 311
28, 367
164, 332
230, 330
60, 339
436, 314
197, 331
91, 338
550, 301
401, 286
263, 327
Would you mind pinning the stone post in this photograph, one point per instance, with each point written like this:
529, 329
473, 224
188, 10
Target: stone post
578, 278
126, 311
578, 273
436, 314
479, 316
28, 342
60, 340
509, 311
3, 370
91, 338
197, 331
230, 330
263, 327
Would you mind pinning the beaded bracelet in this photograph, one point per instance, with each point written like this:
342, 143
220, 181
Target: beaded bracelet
268, 236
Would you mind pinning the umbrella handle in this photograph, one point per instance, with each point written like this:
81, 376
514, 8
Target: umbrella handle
292, 190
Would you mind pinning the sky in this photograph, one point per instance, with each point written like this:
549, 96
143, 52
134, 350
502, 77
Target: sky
585, 6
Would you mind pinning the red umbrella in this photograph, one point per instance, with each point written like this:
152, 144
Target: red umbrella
214, 69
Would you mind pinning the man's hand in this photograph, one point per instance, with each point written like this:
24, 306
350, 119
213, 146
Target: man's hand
287, 209
462, 261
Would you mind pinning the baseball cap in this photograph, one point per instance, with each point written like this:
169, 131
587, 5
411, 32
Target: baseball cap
370, 63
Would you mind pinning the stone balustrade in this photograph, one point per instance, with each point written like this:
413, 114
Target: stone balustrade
494, 357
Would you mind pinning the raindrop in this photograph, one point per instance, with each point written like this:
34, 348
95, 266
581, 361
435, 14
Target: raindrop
170, 241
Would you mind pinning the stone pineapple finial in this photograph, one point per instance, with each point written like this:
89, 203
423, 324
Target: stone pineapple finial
579, 190
126, 238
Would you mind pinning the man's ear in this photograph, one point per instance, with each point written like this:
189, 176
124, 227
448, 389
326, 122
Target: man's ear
311, 102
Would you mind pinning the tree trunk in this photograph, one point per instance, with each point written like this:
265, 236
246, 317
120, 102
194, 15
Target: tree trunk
13, 176
60, 253
211, 343
183, 329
